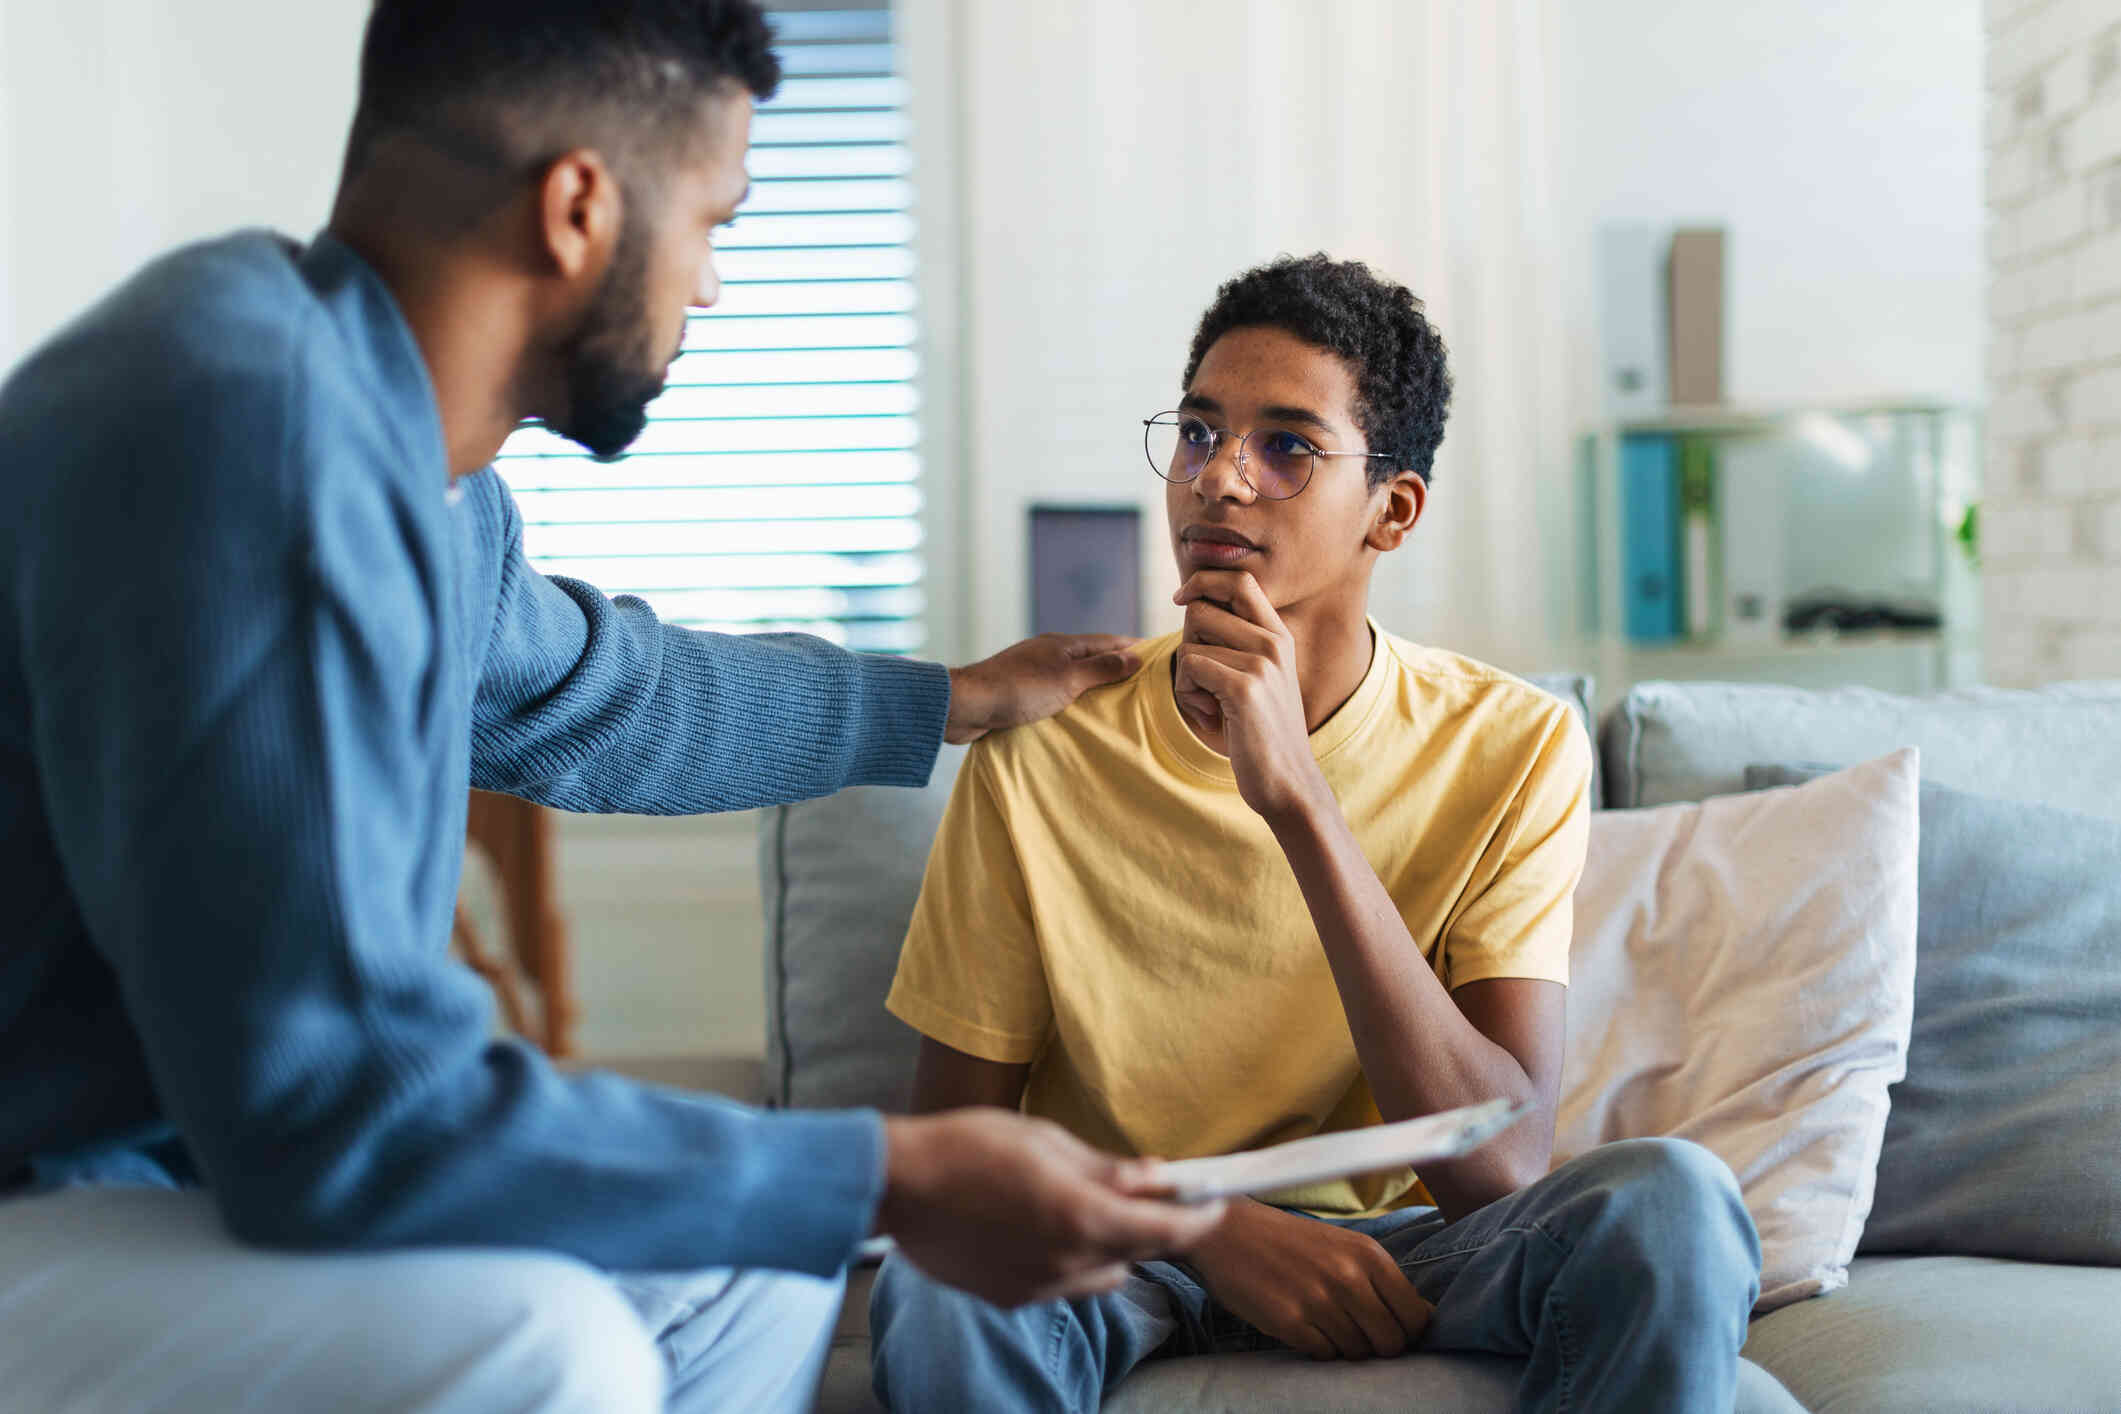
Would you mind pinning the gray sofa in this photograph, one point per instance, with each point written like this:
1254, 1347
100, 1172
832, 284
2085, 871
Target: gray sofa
2004, 1145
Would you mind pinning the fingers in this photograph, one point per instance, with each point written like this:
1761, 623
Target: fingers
1408, 1307
1140, 1178
1117, 1228
1341, 1330
1213, 669
1235, 588
1095, 645
1106, 668
1381, 1331
1210, 622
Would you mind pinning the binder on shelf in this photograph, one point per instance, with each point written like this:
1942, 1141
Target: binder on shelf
1753, 494
1700, 591
1649, 493
1694, 294
1631, 319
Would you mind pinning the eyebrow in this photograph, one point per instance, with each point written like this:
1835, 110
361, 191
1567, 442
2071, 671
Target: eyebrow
1277, 412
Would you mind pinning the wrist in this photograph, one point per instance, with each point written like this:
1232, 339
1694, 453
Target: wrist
1304, 809
958, 724
1229, 1235
908, 1159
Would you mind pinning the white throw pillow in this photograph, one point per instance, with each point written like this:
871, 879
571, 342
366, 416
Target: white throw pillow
1743, 976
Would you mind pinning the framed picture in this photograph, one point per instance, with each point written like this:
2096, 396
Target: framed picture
1086, 569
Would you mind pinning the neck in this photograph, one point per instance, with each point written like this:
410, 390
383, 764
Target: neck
1333, 651
472, 329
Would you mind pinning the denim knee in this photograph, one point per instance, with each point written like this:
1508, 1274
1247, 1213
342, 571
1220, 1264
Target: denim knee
576, 1345
1671, 1205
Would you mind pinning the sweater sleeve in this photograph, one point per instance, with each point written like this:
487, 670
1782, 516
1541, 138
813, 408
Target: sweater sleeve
591, 703
243, 711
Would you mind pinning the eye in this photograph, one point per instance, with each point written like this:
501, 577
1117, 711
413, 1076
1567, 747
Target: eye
1195, 433
1277, 443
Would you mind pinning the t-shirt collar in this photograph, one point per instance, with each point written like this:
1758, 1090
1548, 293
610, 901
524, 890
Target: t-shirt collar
1197, 757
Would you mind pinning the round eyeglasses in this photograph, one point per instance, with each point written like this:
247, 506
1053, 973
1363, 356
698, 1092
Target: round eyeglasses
1273, 461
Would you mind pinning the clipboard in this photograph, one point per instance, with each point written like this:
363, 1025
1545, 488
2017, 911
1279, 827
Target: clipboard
1407, 1144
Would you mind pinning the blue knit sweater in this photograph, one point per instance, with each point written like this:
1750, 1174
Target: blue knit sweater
252, 653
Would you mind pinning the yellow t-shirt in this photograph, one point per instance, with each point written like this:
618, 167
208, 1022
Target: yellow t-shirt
1102, 904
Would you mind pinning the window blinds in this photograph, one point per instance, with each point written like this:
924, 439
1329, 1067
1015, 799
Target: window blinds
777, 485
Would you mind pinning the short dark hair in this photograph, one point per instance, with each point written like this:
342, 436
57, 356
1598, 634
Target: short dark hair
1402, 378
479, 71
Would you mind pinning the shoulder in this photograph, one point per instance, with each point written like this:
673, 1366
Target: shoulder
177, 385
1456, 679
1104, 724
1450, 693
206, 423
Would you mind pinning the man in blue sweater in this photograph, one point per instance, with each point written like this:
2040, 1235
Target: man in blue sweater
264, 617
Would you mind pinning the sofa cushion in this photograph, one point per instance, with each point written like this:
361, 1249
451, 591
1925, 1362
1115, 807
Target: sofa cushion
2005, 1138
2058, 746
1950, 1335
1268, 1384
838, 880
1743, 977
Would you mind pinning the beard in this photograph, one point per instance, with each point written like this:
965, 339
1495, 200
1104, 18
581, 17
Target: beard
608, 363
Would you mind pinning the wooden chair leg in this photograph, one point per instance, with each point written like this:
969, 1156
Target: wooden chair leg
517, 837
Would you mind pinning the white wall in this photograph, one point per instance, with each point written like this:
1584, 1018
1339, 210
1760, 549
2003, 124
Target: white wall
133, 125
1840, 146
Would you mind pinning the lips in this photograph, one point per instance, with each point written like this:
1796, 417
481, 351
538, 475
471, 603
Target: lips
1215, 535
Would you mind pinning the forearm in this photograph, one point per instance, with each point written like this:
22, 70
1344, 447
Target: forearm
1419, 1051
946, 1078
647, 718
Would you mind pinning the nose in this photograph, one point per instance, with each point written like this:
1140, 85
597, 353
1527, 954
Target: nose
1220, 479
707, 288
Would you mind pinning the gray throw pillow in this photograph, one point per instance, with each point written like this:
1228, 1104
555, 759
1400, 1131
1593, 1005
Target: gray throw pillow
2005, 1138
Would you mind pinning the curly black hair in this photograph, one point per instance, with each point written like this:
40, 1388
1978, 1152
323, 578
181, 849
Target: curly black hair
1402, 380
477, 66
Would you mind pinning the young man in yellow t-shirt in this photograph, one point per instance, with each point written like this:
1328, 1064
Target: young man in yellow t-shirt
1299, 875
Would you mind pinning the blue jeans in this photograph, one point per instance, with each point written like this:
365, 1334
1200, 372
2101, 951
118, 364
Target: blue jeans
136, 1298
1623, 1279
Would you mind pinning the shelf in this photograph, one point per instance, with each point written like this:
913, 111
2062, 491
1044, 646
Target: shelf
1726, 419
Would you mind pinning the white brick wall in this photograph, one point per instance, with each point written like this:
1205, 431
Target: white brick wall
2051, 518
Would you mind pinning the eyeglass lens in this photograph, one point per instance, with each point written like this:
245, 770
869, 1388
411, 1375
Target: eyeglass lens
1276, 463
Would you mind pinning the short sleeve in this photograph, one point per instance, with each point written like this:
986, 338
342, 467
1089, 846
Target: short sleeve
970, 974
1521, 922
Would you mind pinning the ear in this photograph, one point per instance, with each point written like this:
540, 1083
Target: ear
579, 212
1406, 496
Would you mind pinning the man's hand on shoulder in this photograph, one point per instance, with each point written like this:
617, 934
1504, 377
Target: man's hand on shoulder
1330, 1292
1018, 1210
1030, 681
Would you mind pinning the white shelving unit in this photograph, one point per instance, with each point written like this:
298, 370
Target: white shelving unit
1871, 499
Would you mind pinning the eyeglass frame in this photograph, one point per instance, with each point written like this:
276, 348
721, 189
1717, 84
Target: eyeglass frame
1222, 435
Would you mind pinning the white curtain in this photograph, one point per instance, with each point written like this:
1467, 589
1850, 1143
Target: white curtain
1116, 159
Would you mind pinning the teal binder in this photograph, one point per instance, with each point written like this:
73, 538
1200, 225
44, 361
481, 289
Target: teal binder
1650, 542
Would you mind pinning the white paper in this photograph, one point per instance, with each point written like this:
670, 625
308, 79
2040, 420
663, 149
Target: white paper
1407, 1144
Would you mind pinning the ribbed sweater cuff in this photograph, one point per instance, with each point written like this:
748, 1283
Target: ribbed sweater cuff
905, 703
825, 1181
